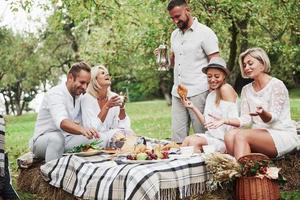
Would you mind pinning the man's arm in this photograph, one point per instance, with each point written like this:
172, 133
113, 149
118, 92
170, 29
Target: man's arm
74, 128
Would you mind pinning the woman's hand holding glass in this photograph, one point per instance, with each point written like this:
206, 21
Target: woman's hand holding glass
113, 101
123, 100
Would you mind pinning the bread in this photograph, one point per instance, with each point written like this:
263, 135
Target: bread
182, 91
129, 144
140, 148
171, 145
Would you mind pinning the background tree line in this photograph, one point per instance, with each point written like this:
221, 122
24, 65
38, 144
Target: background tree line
122, 34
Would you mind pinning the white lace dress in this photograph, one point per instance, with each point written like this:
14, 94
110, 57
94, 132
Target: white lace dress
274, 98
225, 110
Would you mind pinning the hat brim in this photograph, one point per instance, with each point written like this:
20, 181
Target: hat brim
216, 66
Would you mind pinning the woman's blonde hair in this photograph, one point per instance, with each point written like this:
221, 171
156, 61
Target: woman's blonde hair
257, 53
94, 87
218, 92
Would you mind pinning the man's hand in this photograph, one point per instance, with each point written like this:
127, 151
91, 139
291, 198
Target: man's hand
90, 133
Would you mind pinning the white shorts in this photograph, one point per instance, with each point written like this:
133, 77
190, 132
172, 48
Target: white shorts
217, 143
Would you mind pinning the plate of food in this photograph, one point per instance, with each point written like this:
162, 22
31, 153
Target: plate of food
91, 149
109, 151
182, 156
90, 152
142, 154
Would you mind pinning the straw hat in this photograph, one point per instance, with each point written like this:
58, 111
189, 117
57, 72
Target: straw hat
216, 62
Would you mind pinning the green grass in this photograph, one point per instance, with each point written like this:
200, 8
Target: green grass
295, 109
148, 118
295, 92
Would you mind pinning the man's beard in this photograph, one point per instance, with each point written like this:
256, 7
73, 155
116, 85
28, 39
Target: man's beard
74, 91
182, 25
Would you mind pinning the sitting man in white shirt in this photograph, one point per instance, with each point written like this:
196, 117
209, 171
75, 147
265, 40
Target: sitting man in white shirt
58, 126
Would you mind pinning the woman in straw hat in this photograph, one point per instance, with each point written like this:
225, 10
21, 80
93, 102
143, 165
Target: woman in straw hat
221, 102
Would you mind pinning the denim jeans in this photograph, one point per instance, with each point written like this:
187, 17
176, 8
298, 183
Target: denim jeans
7, 192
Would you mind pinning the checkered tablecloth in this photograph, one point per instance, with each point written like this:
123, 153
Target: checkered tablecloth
97, 177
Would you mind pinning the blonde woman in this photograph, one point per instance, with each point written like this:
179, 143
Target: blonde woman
103, 109
265, 108
221, 102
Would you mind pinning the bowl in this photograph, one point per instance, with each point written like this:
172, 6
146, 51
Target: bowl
187, 151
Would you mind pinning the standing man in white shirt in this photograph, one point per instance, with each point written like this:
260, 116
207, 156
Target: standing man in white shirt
192, 46
58, 126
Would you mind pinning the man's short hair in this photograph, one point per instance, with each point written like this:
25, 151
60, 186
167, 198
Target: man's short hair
173, 3
77, 67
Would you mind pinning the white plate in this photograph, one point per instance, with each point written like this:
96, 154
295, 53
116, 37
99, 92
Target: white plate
84, 154
125, 160
180, 156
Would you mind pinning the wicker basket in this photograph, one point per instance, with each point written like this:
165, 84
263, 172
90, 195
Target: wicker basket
253, 156
248, 188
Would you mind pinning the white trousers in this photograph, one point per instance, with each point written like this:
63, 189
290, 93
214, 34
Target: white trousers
182, 117
52, 145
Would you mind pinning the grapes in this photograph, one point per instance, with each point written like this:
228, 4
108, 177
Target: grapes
165, 154
131, 157
149, 155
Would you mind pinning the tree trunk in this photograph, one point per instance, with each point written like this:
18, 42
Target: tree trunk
165, 93
11, 101
6, 103
164, 89
243, 26
18, 96
233, 51
74, 44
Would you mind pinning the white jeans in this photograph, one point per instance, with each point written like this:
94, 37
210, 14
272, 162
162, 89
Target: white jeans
183, 117
52, 145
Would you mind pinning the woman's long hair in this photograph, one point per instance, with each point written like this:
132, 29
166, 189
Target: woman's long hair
218, 93
94, 87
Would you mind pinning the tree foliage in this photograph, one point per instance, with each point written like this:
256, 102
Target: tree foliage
272, 25
20, 71
122, 34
